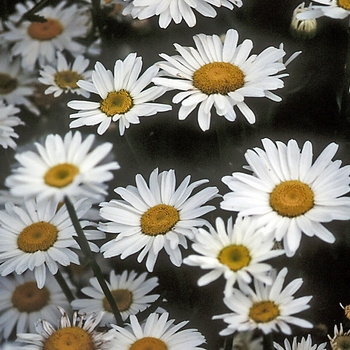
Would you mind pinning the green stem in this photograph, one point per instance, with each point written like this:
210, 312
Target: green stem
64, 286
344, 108
30, 15
85, 248
268, 341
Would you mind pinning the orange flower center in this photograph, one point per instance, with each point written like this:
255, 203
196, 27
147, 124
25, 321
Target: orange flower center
45, 30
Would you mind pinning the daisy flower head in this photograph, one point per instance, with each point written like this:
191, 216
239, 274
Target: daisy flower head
39, 41
303, 29
304, 344
289, 194
129, 291
80, 333
157, 332
221, 74
155, 216
23, 303
63, 77
40, 234
341, 339
237, 252
176, 10
268, 308
63, 166
124, 97
337, 9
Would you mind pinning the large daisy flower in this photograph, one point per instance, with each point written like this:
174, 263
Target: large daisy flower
157, 332
7, 121
123, 96
62, 166
129, 291
63, 77
39, 235
289, 194
22, 303
330, 8
236, 252
176, 10
268, 308
221, 74
39, 41
81, 333
304, 344
149, 218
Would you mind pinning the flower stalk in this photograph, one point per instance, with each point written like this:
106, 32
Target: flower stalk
64, 286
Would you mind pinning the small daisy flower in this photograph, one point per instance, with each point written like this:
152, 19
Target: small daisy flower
176, 10
123, 96
39, 41
16, 85
337, 9
128, 290
221, 74
39, 235
341, 339
304, 344
303, 29
62, 166
289, 194
236, 252
157, 332
63, 77
149, 218
22, 303
7, 121
268, 308
79, 334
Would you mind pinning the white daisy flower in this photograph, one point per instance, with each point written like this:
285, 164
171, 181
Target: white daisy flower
39, 235
129, 291
289, 194
268, 308
221, 74
62, 166
157, 332
341, 339
236, 252
63, 77
39, 41
304, 344
7, 121
330, 8
303, 29
149, 218
22, 303
123, 96
79, 334
16, 85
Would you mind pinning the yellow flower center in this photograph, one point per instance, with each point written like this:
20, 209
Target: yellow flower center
292, 198
264, 311
148, 343
69, 338
218, 78
39, 236
345, 4
7, 84
159, 220
61, 175
28, 298
122, 297
341, 343
45, 30
116, 102
235, 257
67, 79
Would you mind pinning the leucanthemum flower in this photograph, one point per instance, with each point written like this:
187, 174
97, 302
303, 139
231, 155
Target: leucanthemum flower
22, 303
81, 333
268, 308
331, 8
289, 194
303, 29
155, 216
341, 339
123, 96
7, 121
129, 291
237, 252
176, 10
39, 235
157, 332
63, 166
63, 77
221, 74
304, 344
39, 41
